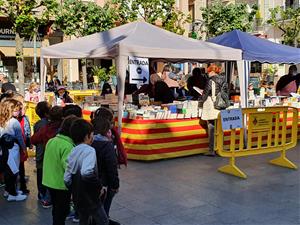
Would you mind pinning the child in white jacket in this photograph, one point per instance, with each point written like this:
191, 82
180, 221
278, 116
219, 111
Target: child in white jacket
81, 176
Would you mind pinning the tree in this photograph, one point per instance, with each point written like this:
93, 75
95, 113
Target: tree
76, 18
26, 17
220, 18
152, 11
288, 21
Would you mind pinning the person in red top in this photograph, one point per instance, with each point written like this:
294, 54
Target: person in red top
26, 133
51, 129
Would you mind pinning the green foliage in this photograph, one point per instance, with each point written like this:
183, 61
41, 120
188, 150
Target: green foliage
122, 11
80, 19
288, 21
27, 15
151, 11
271, 70
112, 71
220, 18
101, 73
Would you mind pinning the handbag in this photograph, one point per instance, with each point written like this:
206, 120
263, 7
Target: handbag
209, 112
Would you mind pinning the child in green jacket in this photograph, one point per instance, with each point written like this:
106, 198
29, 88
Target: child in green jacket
56, 153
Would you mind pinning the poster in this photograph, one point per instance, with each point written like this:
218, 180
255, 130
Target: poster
138, 70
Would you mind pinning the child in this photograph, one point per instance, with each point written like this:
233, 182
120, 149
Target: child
107, 161
51, 129
107, 114
9, 125
56, 153
42, 110
26, 133
33, 94
82, 176
62, 96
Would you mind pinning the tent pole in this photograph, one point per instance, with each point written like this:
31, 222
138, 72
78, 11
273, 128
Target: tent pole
244, 73
121, 62
42, 80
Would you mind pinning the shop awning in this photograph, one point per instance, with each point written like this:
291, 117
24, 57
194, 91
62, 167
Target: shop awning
258, 49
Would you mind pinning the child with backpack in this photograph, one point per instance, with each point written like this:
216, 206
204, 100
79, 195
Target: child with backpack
82, 177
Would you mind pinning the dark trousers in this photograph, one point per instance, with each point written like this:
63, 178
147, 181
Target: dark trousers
108, 200
93, 217
43, 192
10, 180
23, 185
60, 205
211, 135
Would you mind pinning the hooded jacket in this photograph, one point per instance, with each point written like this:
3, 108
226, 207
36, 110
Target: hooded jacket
44, 134
107, 161
56, 154
81, 176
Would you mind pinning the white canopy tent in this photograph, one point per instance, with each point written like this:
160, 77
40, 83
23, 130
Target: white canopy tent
138, 39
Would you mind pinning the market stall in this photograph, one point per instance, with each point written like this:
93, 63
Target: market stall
255, 49
140, 39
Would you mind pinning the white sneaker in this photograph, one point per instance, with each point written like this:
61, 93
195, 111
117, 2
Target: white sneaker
16, 198
6, 194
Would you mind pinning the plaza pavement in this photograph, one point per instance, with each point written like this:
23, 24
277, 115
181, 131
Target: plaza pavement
188, 191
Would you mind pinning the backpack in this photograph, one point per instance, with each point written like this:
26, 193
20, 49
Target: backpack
6, 142
222, 98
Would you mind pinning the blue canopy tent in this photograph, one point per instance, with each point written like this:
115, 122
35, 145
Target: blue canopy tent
255, 49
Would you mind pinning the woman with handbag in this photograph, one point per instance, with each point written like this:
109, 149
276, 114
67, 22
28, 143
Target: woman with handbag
215, 98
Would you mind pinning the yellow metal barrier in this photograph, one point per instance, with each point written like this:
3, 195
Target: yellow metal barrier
266, 130
30, 112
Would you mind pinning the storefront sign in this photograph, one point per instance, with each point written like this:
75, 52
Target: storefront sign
139, 70
7, 33
261, 121
231, 119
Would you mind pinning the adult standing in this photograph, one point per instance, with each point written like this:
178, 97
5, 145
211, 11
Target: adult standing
288, 83
198, 79
165, 76
7, 86
215, 89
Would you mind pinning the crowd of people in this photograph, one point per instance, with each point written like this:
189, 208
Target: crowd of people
77, 161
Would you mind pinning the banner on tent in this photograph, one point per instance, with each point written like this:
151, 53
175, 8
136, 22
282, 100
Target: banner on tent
139, 70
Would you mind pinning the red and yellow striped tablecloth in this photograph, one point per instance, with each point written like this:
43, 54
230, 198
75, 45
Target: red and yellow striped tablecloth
161, 139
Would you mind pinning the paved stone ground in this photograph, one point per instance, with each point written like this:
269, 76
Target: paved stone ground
188, 191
